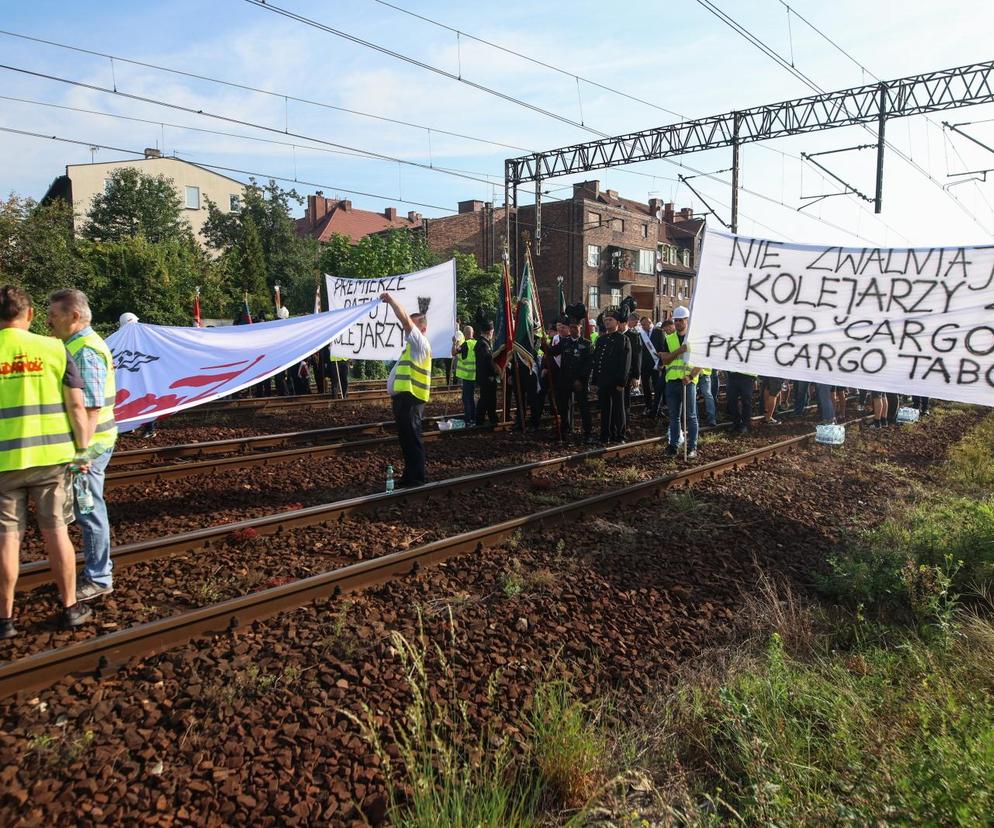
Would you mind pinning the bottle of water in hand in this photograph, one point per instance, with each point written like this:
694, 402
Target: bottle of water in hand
84, 497
389, 479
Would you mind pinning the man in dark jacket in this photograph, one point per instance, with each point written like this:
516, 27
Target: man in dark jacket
635, 368
486, 375
612, 365
575, 356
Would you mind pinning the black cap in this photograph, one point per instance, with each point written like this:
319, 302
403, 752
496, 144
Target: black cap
487, 326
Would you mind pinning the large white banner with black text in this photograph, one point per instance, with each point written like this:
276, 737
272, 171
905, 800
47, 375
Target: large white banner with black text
906, 320
378, 335
162, 369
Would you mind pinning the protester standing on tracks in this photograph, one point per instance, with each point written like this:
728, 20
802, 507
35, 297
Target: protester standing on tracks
634, 334
465, 352
681, 383
575, 355
611, 367
650, 364
69, 318
738, 400
409, 386
43, 427
659, 341
487, 375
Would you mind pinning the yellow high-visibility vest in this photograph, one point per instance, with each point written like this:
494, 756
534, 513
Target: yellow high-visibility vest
106, 433
34, 425
676, 369
413, 376
466, 366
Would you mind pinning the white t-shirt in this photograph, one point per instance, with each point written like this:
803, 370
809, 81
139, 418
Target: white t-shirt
420, 350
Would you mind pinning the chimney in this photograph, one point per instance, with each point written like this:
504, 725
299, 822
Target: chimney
151, 152
413, 217
317, 208
668, 212
470, 206
612, 194
346, 205
656, 207
391, 214
686, 214
587, 189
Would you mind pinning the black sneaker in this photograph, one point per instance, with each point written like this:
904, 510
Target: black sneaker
7, 628
671, 450
76, 615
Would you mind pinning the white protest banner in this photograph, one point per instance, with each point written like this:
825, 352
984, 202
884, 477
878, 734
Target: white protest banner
161, 370
905, 320
379, 335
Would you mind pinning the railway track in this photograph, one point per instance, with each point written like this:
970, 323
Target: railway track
256, 404
102, 652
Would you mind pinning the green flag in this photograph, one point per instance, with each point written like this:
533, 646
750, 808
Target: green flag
528, 321
503, 324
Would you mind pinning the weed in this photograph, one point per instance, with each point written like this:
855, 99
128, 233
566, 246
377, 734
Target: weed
338, 642
208, 591
49, 750
511, 583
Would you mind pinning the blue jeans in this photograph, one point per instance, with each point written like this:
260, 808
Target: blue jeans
676, 391
710, 410
96, 526
469, 402
826, 406
800, 396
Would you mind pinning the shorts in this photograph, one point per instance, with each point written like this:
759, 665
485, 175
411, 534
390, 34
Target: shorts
772, 385
48, 487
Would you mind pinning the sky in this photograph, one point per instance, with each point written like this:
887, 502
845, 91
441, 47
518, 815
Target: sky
680, 60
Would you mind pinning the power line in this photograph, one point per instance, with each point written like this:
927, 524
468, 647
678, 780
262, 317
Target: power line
241, 122
247, 88
419, 63
330, 187
763, 47
530, 59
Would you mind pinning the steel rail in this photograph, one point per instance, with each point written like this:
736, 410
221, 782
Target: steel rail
37, 573
231, 444
256, 404
101, 652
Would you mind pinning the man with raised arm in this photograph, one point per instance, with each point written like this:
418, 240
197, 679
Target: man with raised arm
409, 386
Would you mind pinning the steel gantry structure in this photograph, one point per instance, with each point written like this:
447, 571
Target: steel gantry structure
862, 105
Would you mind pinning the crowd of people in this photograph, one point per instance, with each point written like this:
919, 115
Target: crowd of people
57, 427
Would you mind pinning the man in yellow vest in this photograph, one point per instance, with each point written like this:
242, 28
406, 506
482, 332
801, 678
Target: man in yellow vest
42, 430
409, 386
681, 382
465, 353
69, 318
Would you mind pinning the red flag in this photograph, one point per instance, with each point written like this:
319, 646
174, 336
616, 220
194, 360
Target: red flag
504, 325
196, 310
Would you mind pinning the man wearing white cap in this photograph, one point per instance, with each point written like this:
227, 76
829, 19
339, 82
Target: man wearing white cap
681, 382
126, 319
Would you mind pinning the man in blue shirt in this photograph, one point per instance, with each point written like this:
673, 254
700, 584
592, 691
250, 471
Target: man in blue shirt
69, 318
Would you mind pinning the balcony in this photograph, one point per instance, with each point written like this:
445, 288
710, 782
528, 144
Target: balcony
617, 275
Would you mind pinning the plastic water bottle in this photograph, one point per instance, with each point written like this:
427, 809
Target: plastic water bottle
84, 497
389, 479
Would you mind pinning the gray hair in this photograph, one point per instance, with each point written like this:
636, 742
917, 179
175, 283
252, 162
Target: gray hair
72, 299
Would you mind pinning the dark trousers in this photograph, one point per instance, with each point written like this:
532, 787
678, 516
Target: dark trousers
738, 399
533, 397
319, 377
921, 403
469, 401
487, 405
611, 402
408, 411
893, 403
567, 397
339, 373
648, 384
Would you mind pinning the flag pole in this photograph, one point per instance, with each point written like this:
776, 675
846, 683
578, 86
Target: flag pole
541, 322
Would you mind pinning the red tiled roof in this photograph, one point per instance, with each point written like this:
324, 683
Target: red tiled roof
353, 223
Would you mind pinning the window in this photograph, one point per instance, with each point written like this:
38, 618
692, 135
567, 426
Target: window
645, 231
193, 198
593, 297
672, 258
685, 257
593, 219
593, 255
615, 296
235, 203
672, 287
647, 258
618, 225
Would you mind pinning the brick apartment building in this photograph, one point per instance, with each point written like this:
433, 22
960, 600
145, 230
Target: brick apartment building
605, 247
478, 228
326, 217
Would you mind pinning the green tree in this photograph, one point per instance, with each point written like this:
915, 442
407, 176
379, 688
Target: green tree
250, 262
288, 257
475, 287
136, 204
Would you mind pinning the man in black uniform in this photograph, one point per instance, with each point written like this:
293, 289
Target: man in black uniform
635, 369
575, 356
486, 375
612, 365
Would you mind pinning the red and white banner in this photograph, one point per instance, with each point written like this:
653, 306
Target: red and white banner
161, 370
